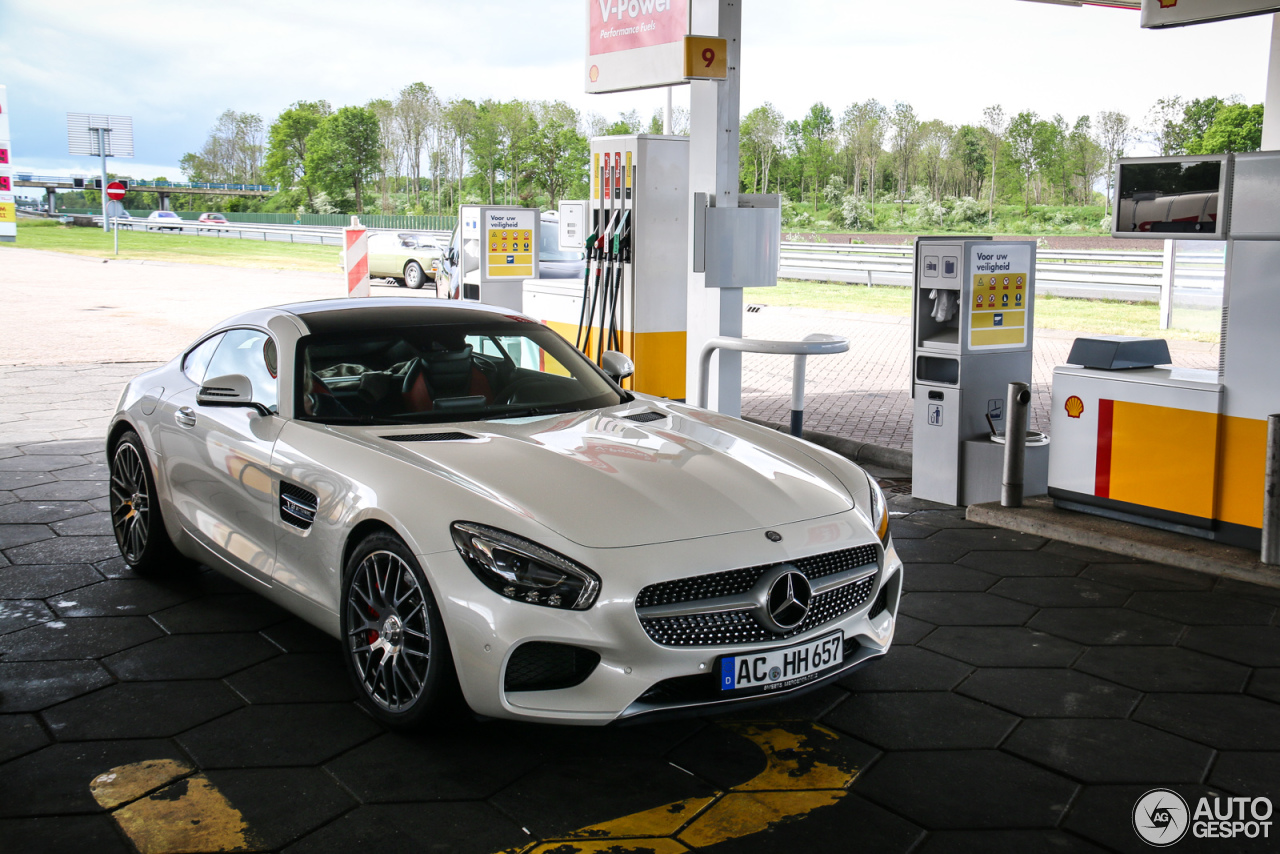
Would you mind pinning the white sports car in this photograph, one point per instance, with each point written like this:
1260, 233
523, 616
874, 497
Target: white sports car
467, 502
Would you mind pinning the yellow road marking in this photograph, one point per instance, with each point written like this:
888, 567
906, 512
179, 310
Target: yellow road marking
803, 772
187, 815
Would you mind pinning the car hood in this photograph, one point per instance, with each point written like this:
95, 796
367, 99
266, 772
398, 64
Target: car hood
602, 480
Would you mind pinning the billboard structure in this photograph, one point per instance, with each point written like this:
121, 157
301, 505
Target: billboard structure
635, 44
1177, 13
8, 204
100, 136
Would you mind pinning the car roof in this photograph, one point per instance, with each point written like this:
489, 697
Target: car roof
340, 315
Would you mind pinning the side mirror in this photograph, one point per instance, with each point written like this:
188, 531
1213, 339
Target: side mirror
229, 390
618, 365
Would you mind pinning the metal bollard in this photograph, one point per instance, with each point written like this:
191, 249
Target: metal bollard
797, 397
1271, 495
1017, 419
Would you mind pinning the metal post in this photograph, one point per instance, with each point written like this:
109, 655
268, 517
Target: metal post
797, 397
1015, 443
1167, 276
666, 117
1271, 497
115, 222
102, 149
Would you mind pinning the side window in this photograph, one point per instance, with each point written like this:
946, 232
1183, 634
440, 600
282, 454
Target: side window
253, 353
197, 361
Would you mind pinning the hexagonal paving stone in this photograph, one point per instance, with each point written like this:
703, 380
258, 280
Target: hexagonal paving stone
922, 720
280, 805
55, 780
965, 609
191, 657
20, 734
1224, 721
988, 539
41, 512
65, 446
32, 686
1002, 646
927, 551
90, 525
40, 582
1203, 609
40, 462
65, 550
1104, 814
961, 789
21, 482
567, 794
294, 635
1266, 684
1022, 564
1097, 626
49, 489
467, 765
1006, 842
1245, 590
403, 827
1148, 576
88, 637
1247, 774
1061, 592
266, 736
827, 829
238, 612
16, 614
1256, 646
1110, 751
909, 630
1043, 692
12, 536
96, 833
944, 577
901, 529
7, 498
140, 710
88, 471
909, 668
116, 598
296, 678
1163, 668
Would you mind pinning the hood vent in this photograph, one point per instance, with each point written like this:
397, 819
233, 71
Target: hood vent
432, 437
645, 417
297, 506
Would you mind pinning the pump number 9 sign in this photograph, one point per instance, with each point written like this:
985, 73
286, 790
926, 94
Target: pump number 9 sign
705, 58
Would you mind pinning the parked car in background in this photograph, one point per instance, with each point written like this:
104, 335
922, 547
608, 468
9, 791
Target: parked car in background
163, 219
411, 259
212, 219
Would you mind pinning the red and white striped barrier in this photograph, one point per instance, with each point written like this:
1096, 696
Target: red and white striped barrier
355, 258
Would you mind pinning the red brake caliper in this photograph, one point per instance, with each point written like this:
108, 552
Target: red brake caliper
373, 633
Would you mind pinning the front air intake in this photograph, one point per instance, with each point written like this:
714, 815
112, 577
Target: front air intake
543, 666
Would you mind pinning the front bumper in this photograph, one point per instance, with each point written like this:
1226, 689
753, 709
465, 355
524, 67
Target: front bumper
637, 677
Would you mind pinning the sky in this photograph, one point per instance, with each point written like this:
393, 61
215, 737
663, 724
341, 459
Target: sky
174, 66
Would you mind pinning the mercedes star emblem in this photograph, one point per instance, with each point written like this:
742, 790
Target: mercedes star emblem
788, 602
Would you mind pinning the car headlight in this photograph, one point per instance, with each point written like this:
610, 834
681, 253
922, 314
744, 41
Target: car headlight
879, 511
525, 571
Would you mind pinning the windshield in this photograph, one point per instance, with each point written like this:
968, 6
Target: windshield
445, 373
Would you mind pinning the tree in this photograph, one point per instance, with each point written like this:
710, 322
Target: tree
760, 136
1236, 127
343, 152
1114, 133
390, 148
559, 152
1021, 139
1086, 157
1164, 125
994, 123
287, 144
970, 149
906, 140
232, 153
415, 110
1197, 117
935, 148
816, 131
460, 119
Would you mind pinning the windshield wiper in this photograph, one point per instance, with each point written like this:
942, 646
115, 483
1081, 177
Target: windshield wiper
532, 411
362, 420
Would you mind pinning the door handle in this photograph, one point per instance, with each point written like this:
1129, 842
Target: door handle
185, 416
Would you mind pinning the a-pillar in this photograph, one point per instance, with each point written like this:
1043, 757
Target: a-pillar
713, 169
1271, 114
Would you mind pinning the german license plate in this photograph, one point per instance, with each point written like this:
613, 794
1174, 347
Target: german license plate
782, 668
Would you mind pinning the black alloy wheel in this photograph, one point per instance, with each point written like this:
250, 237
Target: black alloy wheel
396, 650
135, 513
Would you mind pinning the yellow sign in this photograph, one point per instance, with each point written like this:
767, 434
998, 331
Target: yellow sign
595, 177
510, 252
8, 212
999, 317
705, 58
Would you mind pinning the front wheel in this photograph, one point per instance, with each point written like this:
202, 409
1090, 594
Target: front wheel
135, 511
413, 275
397, 653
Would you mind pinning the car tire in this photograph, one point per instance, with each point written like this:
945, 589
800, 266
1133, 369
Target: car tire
135, 511
413, 275
394, 643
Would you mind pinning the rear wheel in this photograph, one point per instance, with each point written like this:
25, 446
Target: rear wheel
413, 275
135, 511
397, 653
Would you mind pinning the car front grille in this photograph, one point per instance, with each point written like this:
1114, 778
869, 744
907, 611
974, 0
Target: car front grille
739, 627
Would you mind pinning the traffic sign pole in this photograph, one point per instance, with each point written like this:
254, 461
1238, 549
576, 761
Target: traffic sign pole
102, 147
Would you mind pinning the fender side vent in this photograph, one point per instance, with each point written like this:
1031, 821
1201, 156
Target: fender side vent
645, 417
297, 506
431, 437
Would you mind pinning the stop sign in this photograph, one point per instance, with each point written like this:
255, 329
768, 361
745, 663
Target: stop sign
115, 191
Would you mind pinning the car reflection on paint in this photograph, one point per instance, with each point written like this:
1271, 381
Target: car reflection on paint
473, 508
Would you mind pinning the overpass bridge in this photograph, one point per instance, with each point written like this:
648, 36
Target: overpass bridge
52, 183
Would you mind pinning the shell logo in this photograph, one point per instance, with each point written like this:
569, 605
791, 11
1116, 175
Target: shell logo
1074, 407
595, 69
